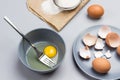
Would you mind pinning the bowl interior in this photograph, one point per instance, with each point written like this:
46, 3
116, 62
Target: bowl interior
40, 38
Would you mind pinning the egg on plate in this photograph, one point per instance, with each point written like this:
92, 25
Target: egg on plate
101, 65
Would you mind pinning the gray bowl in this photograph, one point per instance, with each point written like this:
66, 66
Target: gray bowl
41, 38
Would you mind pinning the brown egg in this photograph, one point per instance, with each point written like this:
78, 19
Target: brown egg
101, 65
118, 50
112, 40
95, 11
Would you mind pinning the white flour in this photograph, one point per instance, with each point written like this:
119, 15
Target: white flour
49, 7
68, 3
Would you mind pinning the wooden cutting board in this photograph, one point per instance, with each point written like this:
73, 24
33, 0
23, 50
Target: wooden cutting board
57, 21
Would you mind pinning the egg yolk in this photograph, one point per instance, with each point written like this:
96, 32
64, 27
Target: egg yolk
50, 51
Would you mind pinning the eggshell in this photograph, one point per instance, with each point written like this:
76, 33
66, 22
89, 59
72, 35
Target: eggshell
95, 11
99, 44
112, 40
89, 39
103, 31
101, 65
98, 54
108, 54
85, 52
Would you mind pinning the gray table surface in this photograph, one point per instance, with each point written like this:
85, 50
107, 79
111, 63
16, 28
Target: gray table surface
10, 66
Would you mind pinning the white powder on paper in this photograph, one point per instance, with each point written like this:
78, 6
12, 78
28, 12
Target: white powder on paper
49, 7
68, 3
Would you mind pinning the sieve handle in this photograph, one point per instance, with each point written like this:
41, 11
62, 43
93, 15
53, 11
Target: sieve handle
14, 27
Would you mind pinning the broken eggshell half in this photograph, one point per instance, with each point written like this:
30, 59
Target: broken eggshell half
112, 40
103, 31
85, 52
89, 39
